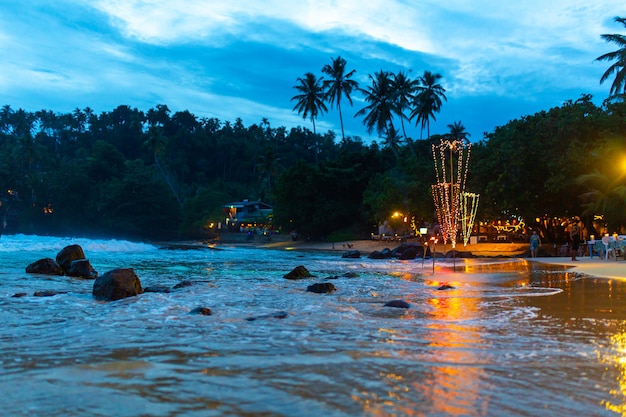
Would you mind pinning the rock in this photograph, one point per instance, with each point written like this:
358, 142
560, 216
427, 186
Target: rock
397, 304
157, 288
46, 266
117, 284
277, 315
48, 293
350, 275
19, 295
203, 311
321, 288
68, 254
353, 254
81, 268
446, 287
299, 272
183, 284
408, 251
384, 254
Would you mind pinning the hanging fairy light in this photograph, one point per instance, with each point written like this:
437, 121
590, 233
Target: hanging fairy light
468, 206
448, 190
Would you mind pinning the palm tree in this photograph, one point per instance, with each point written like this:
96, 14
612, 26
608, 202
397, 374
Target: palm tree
404, 89
339, 85
619, 66
605, 196
379, 112
155, 144
458, 132
310, 101
428, 100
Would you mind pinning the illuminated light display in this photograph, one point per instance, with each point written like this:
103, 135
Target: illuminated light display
452, 203
468, 207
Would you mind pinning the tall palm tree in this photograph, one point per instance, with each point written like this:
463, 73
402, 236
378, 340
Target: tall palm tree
404, 90
379, 112
428, 100
619, 66
339, 85
155, 143
310, 101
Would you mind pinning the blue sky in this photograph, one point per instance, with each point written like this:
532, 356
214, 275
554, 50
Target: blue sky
500, 60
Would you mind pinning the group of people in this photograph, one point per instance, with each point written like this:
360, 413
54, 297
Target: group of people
574, 235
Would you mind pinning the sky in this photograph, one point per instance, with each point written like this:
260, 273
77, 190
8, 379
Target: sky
499, 60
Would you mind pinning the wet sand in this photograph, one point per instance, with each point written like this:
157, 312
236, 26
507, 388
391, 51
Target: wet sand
594, 267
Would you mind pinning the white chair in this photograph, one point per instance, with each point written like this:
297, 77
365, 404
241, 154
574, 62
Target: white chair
608, 248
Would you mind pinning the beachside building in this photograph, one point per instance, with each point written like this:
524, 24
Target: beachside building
245, 214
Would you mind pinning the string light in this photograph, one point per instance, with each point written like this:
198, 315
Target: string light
468, 214
448, 192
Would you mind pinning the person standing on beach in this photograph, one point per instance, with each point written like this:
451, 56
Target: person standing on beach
574, 235
535, 242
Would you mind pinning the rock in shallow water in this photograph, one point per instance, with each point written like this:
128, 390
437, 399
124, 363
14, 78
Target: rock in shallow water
117, 284
397, 304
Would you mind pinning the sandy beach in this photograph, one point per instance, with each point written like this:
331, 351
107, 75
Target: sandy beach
594, 267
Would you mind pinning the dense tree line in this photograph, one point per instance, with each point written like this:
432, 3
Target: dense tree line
161, 175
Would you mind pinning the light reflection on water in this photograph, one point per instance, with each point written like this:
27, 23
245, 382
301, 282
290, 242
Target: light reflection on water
510, 338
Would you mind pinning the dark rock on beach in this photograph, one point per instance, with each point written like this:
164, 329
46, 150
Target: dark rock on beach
397, 304
299, 272
277, 315
48, 293
383, 254
445, 287
157, 288
68, 254
203, 311
81, 268
321, 288
353, 254
117, 284
47, 266
183, 284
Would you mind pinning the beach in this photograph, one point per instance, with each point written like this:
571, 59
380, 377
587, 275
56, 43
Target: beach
585, 265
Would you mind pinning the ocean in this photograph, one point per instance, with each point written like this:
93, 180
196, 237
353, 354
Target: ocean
503, 337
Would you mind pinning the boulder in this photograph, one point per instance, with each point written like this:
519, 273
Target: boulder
397, 304
157, 288
408, 251
383, 254
183, 284
48, 293
203, 311
117, 284
276, 315
299, 272
46, 266
68, 254
321, 288
81, 268
354, 254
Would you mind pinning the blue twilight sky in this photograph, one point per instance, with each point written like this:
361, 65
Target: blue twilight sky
500, 60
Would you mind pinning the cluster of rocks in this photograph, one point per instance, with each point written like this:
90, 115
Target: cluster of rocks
71, 261
408, 251
121, 283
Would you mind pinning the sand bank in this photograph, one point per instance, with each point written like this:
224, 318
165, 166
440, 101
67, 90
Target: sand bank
594, 267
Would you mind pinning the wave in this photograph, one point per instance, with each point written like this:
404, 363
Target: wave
35, 243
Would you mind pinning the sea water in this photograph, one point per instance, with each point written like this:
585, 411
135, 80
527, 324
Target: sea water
507, 338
